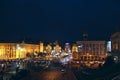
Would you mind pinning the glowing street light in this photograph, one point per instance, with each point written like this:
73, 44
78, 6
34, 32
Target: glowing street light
19, 48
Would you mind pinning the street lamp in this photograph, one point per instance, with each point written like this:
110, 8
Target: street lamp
19, 48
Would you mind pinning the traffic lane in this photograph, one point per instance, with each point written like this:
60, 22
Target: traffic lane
116, 77
51, 75
47, 75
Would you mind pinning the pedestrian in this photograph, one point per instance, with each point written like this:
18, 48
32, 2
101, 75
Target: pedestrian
2, 65
17, 68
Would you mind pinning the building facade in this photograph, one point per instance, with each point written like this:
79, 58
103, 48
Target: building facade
48, 49
109, 46
92, 50
17, 50
57, 48
41, 47
115, 39
75, 52
67, 47
89, 53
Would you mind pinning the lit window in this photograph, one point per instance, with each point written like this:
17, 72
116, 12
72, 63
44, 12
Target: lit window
116, 46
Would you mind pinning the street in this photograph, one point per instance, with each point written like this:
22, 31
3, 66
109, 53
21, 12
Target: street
116, 77
51, 73
38, 71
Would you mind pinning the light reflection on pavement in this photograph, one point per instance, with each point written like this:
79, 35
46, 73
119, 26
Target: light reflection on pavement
51, 75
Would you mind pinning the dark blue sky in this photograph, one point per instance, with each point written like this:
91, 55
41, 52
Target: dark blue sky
63, 20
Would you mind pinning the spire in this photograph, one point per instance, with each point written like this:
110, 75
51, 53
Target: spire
85, 36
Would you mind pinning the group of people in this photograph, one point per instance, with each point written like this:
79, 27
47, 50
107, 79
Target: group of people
5, 66
3, 69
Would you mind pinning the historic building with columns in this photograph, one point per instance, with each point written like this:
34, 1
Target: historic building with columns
18, 50
92, 50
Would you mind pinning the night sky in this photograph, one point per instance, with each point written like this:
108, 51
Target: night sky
62, 20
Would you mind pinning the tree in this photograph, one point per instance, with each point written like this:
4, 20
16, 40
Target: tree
109, 61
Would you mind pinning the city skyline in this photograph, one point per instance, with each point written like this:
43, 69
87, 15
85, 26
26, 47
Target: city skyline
31, 40
59, 39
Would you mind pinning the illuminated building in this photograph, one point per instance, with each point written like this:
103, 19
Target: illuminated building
75, 52
7, 50
74, 48
41, 47
115, 38
57, 48
89, 53
17, 50
109, 46
67, 47
92, 50
48, 48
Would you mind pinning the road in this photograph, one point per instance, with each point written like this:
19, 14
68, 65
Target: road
116, 77
52, 73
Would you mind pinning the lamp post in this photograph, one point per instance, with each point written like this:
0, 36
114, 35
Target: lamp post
19, 48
